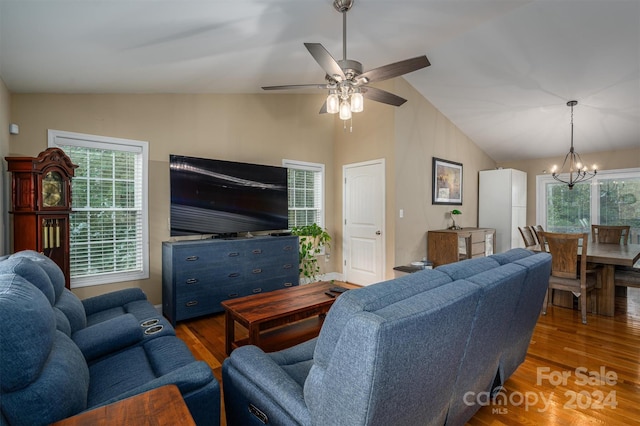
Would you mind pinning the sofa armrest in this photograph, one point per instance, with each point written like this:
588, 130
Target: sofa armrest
260, 369
108, 336
112, 300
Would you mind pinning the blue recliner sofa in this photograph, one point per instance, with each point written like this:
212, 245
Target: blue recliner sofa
60, 356
408, 351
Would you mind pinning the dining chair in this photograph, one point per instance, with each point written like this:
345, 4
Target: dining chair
527, 236
568, 273
536, 229
609, 234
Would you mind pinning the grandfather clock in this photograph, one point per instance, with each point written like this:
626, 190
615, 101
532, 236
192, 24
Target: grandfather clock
41, 203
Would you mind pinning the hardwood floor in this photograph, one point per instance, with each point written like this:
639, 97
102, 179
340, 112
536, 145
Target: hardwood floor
573, 374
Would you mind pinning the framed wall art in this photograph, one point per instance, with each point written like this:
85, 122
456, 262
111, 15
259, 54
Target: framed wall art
447, 182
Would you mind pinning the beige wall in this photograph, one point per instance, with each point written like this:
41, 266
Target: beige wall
407, 138
5, 102
421, 133
608, 160
266, 128
251, 128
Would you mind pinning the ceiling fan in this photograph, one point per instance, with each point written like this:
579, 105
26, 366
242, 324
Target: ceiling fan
345, 80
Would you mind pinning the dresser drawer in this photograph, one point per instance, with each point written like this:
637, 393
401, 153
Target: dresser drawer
209, 277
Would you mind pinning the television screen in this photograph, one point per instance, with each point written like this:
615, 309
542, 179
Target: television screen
225, 197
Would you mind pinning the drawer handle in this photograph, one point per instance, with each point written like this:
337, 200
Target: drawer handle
191, 281
287, 266
288, 284
191, 303
234, 254
191, 258
257, 290
257, 251
287, 248
257, 271
234, 275
233, 294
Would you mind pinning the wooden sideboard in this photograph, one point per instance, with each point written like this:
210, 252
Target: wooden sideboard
452, 245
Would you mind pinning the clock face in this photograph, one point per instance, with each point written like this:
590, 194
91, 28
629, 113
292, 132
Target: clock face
52, 190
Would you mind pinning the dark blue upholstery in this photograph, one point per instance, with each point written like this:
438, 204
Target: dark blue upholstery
47, 376
401, 352
47, 276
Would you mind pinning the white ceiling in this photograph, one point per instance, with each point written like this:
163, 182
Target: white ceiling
502, 70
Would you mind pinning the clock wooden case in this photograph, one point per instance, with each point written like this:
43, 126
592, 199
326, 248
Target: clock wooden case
41, 204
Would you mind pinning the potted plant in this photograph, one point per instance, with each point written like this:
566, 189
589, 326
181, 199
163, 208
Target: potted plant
312, 239
454, 213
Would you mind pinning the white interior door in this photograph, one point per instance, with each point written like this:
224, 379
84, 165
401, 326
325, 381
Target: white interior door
363, 242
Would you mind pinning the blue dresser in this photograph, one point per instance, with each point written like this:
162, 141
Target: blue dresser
198, 275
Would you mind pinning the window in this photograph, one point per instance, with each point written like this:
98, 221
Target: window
109, 229
306, 193
610, 198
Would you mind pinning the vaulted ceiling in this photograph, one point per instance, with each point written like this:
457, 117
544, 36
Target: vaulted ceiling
501, 70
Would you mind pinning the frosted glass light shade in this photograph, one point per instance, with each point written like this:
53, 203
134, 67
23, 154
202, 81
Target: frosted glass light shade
333, 103
357, 102
345, 110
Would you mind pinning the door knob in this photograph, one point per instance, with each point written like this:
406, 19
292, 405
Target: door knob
378, 232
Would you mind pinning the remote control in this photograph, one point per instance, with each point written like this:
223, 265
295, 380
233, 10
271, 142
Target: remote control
329, 294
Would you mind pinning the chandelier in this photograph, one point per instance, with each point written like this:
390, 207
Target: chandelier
577, 170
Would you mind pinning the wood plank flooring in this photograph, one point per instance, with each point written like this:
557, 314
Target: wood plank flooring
573, 374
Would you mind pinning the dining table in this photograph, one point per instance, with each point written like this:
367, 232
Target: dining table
608, 256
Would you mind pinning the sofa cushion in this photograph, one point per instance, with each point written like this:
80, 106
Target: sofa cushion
512, 255
28, 330
405, 354
49, 266
371, 298
499, 292
31, 272
135, 367
44, 375
462, 270
64, 299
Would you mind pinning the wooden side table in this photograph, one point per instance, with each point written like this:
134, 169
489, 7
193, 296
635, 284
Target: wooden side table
443, 245
163, 406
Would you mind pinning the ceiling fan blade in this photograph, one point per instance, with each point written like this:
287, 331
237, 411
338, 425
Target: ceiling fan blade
323, 109
325, 60
296, 86
383, 96
393, 70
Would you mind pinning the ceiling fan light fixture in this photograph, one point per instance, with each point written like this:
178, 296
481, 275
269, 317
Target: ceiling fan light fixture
333, 102
357, 101
345, 110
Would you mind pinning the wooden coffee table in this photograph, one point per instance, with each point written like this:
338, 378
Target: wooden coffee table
276, 309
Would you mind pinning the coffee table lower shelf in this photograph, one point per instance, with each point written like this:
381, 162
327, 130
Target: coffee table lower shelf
285, 336
281, 318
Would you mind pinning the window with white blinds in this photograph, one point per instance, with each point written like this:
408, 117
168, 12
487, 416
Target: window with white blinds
109, 237
306, 193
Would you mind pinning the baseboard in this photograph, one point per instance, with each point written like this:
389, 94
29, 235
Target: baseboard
329, 276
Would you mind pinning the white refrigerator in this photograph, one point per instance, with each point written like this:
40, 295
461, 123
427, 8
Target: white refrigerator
502, 205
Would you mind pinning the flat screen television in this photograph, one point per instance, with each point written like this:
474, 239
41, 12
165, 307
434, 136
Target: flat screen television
225, 197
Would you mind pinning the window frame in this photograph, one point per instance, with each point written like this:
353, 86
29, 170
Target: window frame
313, 167
59, 138
543, 180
